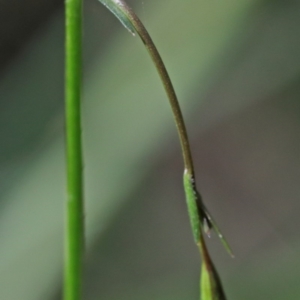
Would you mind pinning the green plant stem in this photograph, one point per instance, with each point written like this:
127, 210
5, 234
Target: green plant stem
74, 229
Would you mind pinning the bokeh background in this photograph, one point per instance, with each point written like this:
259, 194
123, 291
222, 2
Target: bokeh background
235, 65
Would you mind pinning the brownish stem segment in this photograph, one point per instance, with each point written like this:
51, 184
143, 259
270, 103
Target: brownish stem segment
215, 283
144, 35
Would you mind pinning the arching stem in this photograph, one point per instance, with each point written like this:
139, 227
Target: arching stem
200, 219
165, 78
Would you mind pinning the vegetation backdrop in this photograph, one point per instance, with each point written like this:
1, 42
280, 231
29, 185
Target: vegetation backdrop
235, 65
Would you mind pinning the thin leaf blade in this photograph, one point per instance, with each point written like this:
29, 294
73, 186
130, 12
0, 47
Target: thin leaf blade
116, 7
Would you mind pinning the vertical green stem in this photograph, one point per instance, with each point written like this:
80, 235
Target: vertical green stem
74, 229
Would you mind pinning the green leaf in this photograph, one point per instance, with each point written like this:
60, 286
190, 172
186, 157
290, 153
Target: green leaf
191, 200
215, 227
116, 7
200, 217
206, 289
211, 287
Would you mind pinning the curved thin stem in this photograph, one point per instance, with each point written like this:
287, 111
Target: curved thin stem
156, 58
201, 220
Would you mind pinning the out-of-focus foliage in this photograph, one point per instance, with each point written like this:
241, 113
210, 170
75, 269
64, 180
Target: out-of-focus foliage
235, 65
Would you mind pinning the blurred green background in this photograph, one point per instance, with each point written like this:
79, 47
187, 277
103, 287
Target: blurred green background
235, 65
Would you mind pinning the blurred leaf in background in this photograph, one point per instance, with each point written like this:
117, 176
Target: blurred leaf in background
235, 66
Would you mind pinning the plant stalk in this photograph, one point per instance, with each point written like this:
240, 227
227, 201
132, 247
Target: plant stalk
165, 78
131, 21
74, 228
200, 218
